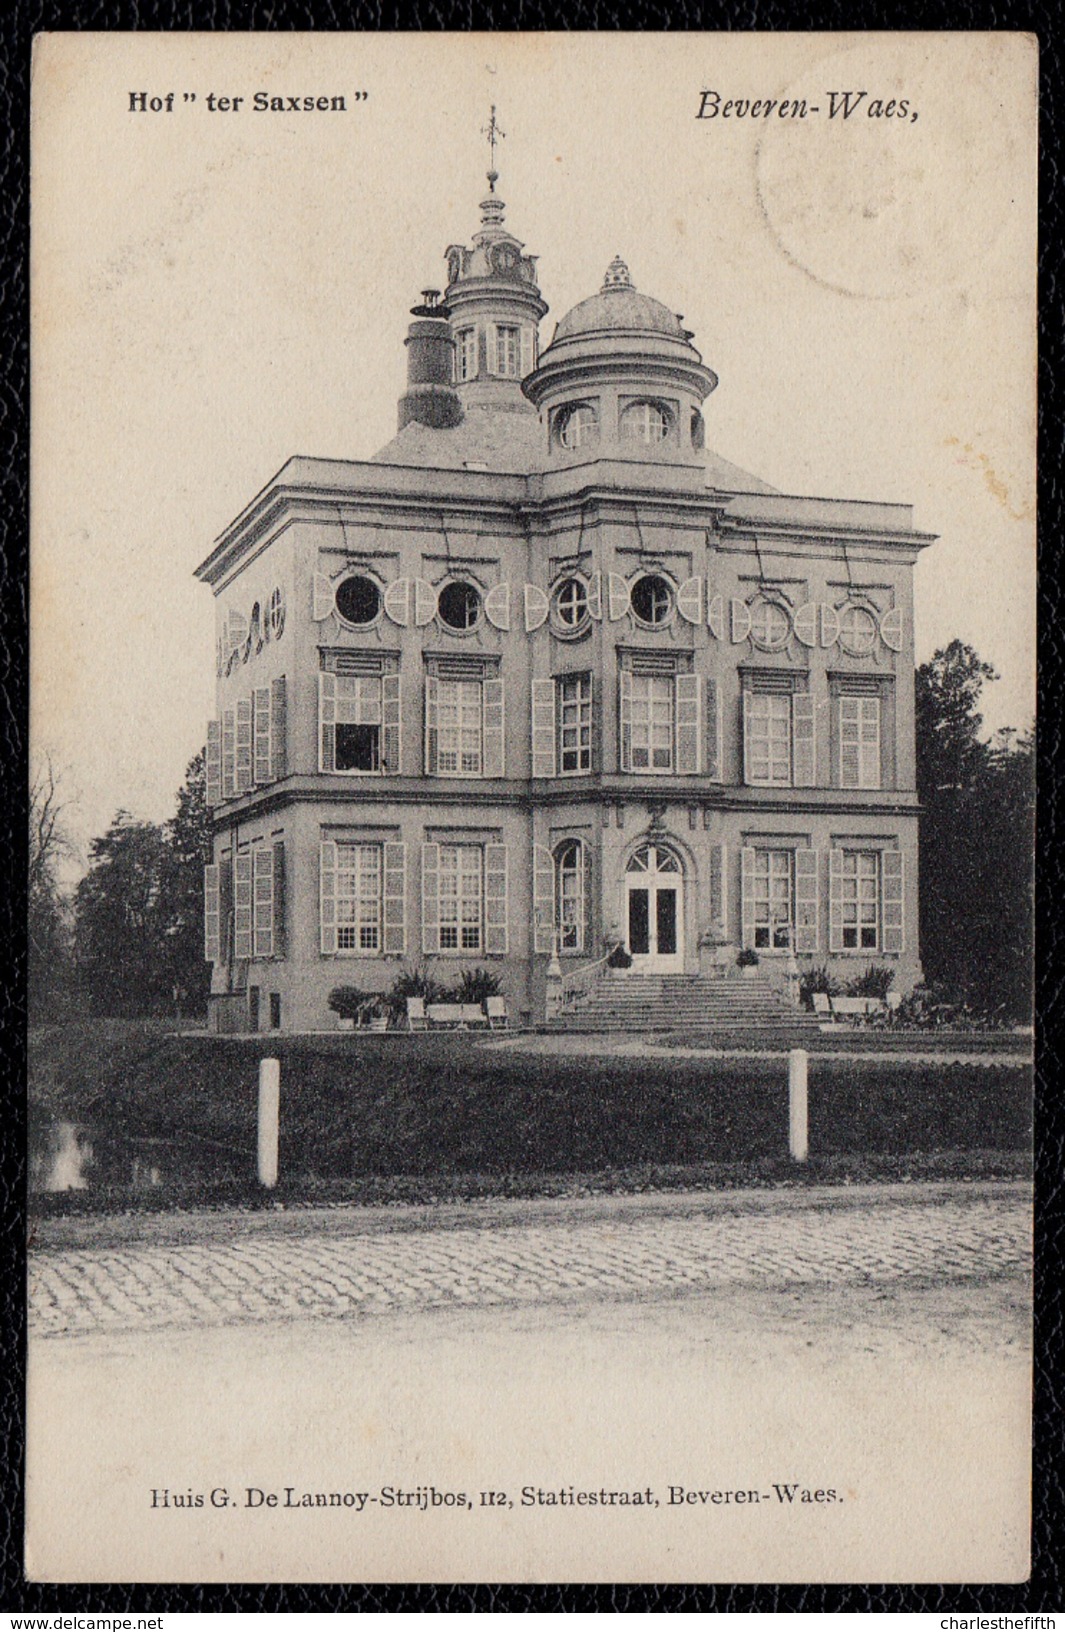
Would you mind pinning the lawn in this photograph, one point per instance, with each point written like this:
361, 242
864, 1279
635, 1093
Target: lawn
381, 1107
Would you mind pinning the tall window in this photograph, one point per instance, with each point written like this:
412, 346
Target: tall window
508, 350
460, 713
461, 896
569, 896
859, 742
574, 694
768, 739
466, 354
358, 897
859, 894
773, 898
577, 426
651, 722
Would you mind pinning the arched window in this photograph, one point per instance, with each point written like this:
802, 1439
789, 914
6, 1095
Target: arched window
578, 426
645, 422
570, 896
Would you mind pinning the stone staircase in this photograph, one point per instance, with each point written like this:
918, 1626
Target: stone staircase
728, 1006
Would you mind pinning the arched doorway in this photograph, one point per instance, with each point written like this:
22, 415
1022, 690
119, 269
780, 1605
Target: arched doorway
654, 910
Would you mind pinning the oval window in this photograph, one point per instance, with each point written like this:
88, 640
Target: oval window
459, 606
652, 599
571, 603
578, 426
277, 614
645, 422
358, 600
770, 625
857, 630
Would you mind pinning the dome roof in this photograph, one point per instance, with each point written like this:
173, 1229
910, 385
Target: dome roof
619, 305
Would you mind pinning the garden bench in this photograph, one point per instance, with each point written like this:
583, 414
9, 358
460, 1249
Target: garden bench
446, 1015
473, 1015
497, 1013
856, 1008
416, 1019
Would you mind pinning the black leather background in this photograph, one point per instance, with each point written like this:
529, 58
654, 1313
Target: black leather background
1045, 1589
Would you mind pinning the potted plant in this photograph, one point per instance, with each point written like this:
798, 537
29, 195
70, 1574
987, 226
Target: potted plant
620, 958
374, 1015
747, 961
348, 1002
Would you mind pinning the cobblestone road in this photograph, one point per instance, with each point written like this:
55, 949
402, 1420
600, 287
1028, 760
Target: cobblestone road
682, 1246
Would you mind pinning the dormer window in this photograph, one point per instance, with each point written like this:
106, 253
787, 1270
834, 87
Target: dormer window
578, 426
645, 422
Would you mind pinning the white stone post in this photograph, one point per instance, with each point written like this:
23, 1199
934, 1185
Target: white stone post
269, 1120
798, 1139
553, 1000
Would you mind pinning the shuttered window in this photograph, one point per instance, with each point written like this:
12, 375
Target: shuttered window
351, 718
359, 892
461, 897
464, 726
242, 906
569, 893
855, 901
768, 898
263, 901
647, 725
859, 742
767, 739
574, 694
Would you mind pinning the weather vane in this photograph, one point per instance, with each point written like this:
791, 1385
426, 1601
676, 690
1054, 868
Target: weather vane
495, 135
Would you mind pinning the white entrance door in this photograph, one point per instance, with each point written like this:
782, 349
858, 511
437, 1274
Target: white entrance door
654, 910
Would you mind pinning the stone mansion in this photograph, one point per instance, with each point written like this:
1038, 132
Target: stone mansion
547, 675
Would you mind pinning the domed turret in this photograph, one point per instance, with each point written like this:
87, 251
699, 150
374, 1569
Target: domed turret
495, 310
621, 378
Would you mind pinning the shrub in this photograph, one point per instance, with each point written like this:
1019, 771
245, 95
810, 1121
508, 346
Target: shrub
411, 982
619, 958
816, 980
349, 1001
474, 986
875, 981
747, 958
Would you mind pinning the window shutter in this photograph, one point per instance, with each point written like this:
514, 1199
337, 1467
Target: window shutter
849, 743
690, 600
528, 350
430, 898
543, 728
212, 915
279, 898
597, 722
263, 900
892, 879
327, 877
236, 629
278, 728
322, 597
537, 606
212, 763
327, 717
391, 718
713, 729
748, 708
829, 624
688, 690
803, 755
806, 869
719, 887
595, 596
747, 895
432, 722
495, 898
497, 606
225, 916
492, 726
805, 623
891, 629
739, 620
242, 906
424, 603
229, 754
625, 716
397, 601
543, 899
835, 900
262, 724
617, 596
244, 746
395, 898
715, 614
872, 775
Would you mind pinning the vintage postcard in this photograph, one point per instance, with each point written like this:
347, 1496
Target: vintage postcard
532, 697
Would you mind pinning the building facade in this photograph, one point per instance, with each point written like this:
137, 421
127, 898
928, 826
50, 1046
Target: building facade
547, 675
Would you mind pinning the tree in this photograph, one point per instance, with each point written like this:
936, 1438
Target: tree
48, 932
188, 850
977, 839
120, 928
